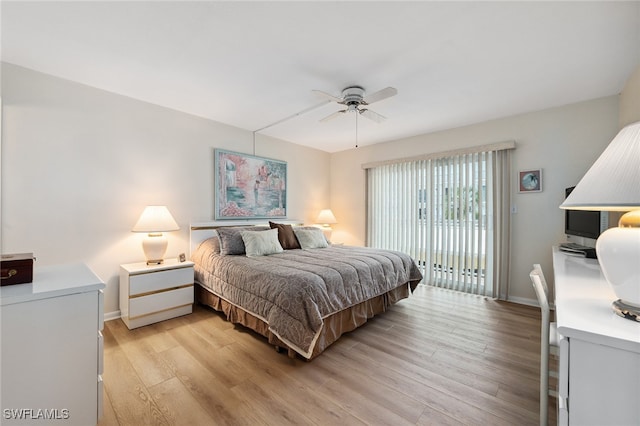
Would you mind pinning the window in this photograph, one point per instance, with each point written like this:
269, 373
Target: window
450, 213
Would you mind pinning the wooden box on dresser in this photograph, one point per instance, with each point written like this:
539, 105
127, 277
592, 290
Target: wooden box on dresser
51, 352
152, 293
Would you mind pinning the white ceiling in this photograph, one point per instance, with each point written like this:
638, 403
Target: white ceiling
252, 64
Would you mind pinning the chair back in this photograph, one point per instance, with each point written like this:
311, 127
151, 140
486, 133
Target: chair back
541, 290
538, 269
539, 285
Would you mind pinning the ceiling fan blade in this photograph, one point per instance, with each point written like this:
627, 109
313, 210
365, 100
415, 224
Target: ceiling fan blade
372, 115
332, 116
328, 96
380, 95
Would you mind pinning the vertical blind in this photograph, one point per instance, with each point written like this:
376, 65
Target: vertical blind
448, 213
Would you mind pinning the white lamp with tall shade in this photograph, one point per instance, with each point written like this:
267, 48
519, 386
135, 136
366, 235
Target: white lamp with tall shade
154, 221
613, 184
326, 219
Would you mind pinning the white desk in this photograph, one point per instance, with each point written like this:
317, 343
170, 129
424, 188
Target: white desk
600, 352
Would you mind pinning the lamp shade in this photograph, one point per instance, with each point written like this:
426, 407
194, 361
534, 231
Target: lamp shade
326, 217
613, 182
156, 219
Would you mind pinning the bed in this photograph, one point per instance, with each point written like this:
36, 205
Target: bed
302, 298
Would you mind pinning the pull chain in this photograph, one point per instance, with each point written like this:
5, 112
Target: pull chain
357, 113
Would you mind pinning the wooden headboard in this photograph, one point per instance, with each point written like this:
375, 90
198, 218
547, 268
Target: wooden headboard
200, 231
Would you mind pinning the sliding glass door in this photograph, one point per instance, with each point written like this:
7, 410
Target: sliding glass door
448, 214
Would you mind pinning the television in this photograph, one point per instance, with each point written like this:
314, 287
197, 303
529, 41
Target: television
584, 223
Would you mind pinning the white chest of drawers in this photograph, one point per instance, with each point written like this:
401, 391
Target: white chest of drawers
152, 293
51, 352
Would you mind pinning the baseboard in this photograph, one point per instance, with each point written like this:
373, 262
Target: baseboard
112, 315
523, 301
528, 302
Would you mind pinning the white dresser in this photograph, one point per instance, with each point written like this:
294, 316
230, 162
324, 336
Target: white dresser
600, 353
152, 293
51, 348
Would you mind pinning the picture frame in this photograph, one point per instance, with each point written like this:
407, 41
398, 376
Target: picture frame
249, 187
530, 181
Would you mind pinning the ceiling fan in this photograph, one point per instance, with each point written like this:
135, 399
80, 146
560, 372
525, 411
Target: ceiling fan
353, 97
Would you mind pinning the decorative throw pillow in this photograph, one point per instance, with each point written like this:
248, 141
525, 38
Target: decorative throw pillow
314, 229
261, 243
231, 239
286, 236
310, 238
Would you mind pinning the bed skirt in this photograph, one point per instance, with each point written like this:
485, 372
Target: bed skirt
334, 325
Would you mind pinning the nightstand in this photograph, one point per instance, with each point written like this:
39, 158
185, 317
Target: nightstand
153, 293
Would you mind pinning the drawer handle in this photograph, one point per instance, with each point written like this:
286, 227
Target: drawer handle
10, 274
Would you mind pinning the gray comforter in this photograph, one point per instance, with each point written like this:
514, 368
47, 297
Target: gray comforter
293, 291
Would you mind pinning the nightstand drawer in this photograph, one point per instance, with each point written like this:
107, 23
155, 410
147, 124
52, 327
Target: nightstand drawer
144, 305
152, 293
159, 280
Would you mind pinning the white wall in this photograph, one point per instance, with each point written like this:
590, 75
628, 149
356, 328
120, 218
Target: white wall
630, 100
563, 141
80, 164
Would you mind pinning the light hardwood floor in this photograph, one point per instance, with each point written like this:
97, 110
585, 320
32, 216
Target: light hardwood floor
437, 358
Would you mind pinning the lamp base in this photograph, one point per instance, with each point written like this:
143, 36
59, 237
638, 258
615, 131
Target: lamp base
154, 247
626, 311
618, 254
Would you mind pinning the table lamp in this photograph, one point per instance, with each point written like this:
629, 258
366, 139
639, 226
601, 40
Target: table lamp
154, 221
326, 219
613, 184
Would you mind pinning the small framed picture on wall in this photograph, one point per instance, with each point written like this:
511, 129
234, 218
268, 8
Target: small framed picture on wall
530, 181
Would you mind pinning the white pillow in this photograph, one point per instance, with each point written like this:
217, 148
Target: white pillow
261, 243
311, 238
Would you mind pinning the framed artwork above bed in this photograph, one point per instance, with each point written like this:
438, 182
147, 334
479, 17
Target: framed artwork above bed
249, 187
